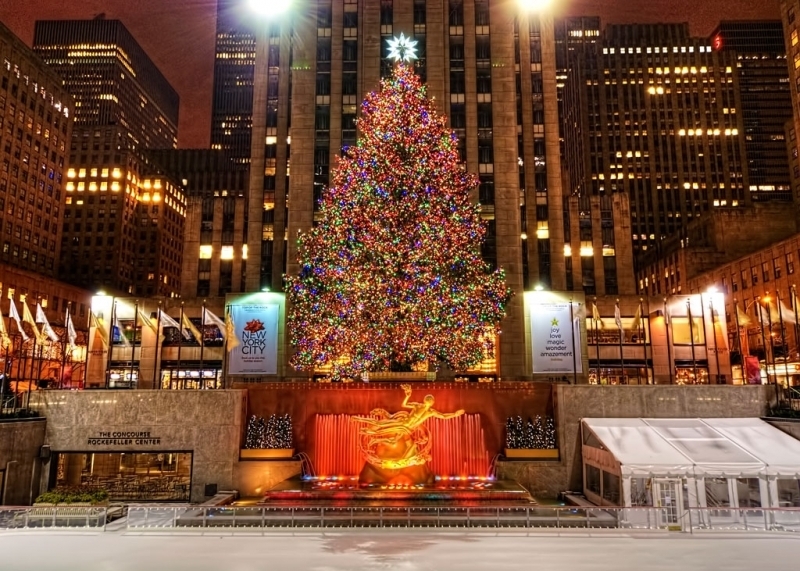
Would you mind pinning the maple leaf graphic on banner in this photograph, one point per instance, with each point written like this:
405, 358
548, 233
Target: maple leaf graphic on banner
254, 326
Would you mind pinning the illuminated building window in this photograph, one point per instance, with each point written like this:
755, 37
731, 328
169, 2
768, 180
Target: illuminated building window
206, 250
226, 253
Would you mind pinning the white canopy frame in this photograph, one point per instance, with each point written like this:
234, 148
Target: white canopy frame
690, 458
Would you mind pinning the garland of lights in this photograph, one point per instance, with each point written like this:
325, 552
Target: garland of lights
273, 433
535, 434
393, 271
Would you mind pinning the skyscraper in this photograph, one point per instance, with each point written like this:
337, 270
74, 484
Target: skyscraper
234, 71
112, 78
124, 106
657, 116
36, 117
766, 102
490, 67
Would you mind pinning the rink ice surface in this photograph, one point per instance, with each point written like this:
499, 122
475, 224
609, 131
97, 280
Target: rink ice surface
388, 550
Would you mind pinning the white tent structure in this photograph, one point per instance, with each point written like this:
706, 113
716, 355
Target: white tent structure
679, 464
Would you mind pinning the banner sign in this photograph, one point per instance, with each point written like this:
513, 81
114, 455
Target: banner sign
555, 338
752, 370
256, 328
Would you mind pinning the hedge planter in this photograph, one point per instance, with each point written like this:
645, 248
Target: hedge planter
532, 453
266, 453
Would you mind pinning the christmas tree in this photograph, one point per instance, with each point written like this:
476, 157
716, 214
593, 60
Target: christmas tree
393, 273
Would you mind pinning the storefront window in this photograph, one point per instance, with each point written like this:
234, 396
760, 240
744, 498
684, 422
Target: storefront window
123, 378
128, 476
607, 332
682, 334
687, 376
191, 379
630, 375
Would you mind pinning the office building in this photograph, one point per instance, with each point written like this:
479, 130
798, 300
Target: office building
766, 102
36, 119
124, 107
657, 116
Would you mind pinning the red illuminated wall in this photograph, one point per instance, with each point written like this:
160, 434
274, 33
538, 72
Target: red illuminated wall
493, 401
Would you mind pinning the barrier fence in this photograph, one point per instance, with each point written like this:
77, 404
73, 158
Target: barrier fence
191, 518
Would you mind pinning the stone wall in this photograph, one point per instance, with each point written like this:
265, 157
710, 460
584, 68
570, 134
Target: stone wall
206, 423
573, 403
20, 442
789, 426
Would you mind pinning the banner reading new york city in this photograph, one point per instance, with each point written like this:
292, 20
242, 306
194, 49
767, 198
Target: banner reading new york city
554, 339
257, 330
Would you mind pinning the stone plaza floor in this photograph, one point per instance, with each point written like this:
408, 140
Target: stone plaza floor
401, 550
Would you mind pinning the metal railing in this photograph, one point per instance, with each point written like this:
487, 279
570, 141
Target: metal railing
194, 518
635, 518
15, 518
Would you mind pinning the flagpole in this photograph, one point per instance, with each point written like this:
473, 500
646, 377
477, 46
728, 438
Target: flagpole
649, 339
133, 341
772, 350
739, 338
202, 344
156, 359
796, 320
705, 339
180, 344
640, 331
621, 356
669, 349
64, 346
86, 353
596, 337
572, 329
225, 350
763, 337
783, 339
111, 340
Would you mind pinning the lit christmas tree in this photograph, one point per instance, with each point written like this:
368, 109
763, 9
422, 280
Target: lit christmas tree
393, 272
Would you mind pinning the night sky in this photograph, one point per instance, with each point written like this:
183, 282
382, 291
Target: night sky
179, 34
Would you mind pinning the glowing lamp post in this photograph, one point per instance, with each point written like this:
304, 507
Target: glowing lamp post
269, 8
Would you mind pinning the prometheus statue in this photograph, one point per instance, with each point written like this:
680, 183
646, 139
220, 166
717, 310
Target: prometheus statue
400, 440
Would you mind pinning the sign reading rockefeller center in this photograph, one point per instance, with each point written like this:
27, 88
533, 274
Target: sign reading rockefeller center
124, 438
555, 338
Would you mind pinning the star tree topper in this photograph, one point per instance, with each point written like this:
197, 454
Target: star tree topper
402, 49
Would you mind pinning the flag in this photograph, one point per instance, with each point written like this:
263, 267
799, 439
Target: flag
188, 325
787, 314
27, 317
5, 339
744, 319
617, 317
147, 321
211, 319
637, 319
596, 315
231, 340
71, 335
46, 329
167, 321
14, 314
99, 328
763, 315
121, 333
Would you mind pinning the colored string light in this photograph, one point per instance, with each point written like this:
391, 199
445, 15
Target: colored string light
393, 272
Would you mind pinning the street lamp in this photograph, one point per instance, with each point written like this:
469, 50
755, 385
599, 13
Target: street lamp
534, 5
269, 8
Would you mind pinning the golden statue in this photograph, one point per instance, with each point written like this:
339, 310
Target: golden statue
400, 440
